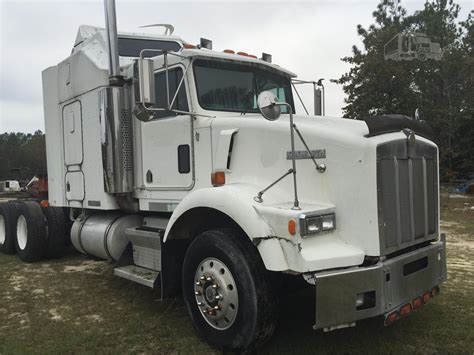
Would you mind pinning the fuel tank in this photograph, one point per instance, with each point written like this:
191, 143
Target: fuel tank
102, 235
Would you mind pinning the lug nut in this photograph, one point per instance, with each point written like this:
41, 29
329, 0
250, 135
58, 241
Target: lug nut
209, 279
217, 308
215, 286
197, 293
218, 297
200, 304
198, 283
203, 278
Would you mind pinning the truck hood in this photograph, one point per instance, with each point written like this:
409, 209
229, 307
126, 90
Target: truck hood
259, 153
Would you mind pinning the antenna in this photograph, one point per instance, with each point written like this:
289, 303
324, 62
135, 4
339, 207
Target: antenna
169, 29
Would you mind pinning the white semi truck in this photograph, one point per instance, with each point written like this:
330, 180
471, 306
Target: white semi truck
188, 169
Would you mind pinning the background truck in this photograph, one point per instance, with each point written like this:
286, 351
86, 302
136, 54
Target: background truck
188, 169
9, 186
410, 46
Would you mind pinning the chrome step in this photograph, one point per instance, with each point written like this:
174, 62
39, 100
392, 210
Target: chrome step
138, 274
146, 244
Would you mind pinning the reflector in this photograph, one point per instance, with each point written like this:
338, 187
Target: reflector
405, 310
417, 303
426, 297
218, 178
292, 226
391, 318
435, 291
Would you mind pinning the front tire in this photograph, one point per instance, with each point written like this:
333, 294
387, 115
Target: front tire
228, 292
56, 235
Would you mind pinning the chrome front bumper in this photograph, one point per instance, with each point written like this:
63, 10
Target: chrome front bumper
386, 286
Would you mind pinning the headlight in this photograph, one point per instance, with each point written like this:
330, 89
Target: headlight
316, 224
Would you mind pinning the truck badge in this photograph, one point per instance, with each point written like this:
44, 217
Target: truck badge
304, 154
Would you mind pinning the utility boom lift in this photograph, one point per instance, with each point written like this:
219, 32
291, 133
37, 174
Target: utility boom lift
159, 152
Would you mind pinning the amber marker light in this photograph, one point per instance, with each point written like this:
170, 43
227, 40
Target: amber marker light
435, 291
405, 310
417, 303
292, 226
391, 318
243, 53
189, 46
218, 178
426, 297
229, 51
44, 203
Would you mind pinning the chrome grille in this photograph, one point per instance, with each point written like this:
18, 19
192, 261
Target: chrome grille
407, 193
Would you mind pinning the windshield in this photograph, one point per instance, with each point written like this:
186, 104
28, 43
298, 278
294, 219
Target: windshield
233, 87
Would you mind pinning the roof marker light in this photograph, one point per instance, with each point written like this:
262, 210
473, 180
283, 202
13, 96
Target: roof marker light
252, 56
229, 51
243, 53
189, 46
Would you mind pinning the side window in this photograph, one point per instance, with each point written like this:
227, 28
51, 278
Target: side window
181, 102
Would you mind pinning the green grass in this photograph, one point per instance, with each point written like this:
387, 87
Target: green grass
75, 304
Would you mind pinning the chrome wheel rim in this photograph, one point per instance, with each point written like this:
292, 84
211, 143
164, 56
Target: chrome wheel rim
2, 230
216, 293
21, 232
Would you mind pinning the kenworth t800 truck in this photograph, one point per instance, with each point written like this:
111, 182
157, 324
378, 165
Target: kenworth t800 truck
189, 169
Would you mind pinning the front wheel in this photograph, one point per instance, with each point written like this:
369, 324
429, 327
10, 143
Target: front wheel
228, 292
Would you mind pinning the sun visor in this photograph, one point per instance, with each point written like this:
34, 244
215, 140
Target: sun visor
395, 123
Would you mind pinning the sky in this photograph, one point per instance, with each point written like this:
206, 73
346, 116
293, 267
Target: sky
306, 37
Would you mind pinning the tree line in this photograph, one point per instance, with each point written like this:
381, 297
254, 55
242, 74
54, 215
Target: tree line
22, 155
442, 89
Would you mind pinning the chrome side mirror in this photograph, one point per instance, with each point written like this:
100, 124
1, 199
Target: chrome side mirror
146, 81
268, 105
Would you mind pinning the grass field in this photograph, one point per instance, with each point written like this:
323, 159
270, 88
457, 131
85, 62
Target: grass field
74, 304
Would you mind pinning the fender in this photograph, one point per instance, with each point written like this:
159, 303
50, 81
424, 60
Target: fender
235, 200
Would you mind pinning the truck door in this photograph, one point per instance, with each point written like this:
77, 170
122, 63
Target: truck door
73, 152
167, 140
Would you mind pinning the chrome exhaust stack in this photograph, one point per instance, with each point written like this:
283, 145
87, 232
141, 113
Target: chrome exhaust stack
116, 118
112, 41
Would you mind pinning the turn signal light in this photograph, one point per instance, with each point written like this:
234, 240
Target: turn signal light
426, 297
417, 303
44, 203
189, 46
229, 51
435, 291
292, 227
405, 310
218, 178
391, 318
